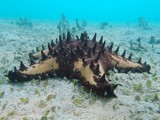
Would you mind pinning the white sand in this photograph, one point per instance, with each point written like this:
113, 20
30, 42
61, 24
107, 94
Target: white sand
16, 43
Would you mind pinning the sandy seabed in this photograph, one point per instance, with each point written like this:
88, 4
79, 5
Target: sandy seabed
60, 99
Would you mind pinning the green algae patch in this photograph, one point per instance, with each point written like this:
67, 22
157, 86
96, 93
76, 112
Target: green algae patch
145, 75
11, 89
1, 94
44, 83
127, 92
75, 82
78, 102
138, 87
149, 83
35, 82
83, 90
137, 98
2, 82
42, 104
4, 118
24, 100
11, 113
44, 117
25, 118
155, 77
148, 98
4, 106
37, 92
51, 96
155, 97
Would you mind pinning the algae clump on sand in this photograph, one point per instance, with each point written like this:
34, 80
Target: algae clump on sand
24, 100
1, 94
49, 97
11, 112
138, 87
78, 101
42, 104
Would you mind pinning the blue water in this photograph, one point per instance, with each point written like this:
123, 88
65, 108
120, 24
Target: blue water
94, 10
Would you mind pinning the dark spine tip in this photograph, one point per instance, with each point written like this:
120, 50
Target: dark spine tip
37, 49
101, 40
15, 69
56, 41
52, 43
96, 70
148, 68
43, 48
114, 86
31, 56
110, 47
77, 37
32, 62
130, 57
22, 66
50, 49
111, 91
123, 54
60, 39
94, 47
68, 36
103, 78
85, 34
85, 44
82, 37
94, 37
139, 61
64, 36
44, 56
103, 45
116, 51
91, 65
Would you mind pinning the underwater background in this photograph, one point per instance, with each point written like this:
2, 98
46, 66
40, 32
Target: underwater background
93, 10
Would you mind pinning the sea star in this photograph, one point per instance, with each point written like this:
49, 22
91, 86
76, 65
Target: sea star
81, 58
